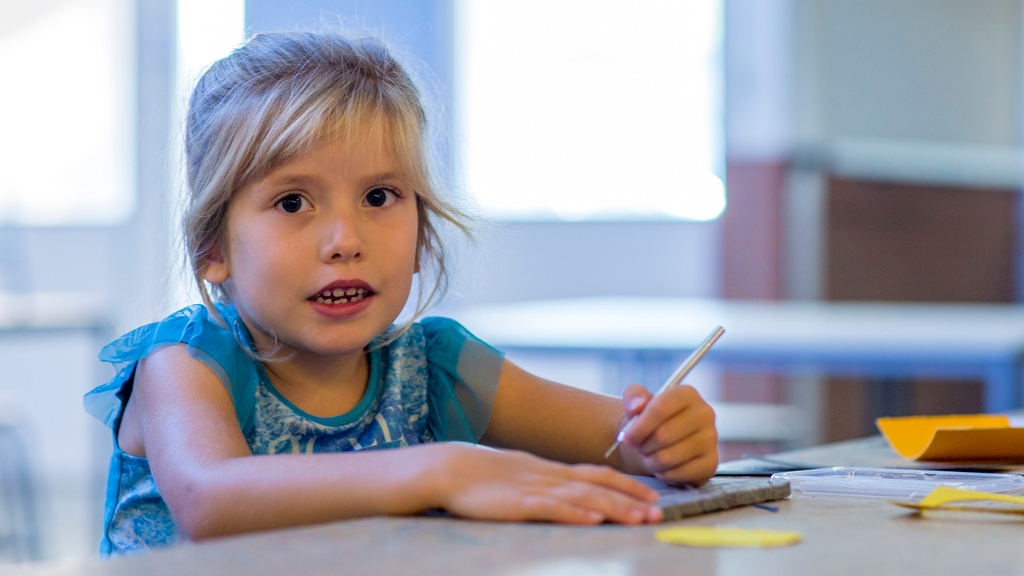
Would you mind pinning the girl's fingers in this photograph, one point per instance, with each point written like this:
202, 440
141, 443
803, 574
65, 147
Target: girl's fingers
603, 493
669, 419
675, 436
634, 398
553, 509
609, 478
690, 448
687, 427
659, 409
696, 471
518, 486
612, 505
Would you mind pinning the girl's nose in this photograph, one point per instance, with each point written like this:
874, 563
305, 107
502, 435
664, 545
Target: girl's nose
342, 240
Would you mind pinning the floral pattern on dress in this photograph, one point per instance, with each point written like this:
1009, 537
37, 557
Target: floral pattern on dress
396, 418
142, 519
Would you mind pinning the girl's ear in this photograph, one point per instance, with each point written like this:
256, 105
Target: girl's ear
216, 271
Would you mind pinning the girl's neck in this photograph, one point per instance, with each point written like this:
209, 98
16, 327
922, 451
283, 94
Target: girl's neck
321, 386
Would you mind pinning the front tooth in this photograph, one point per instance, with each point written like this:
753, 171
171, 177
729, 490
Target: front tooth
351, 292
339, 292
341, 300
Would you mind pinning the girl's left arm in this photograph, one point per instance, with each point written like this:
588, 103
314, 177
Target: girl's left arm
674, 437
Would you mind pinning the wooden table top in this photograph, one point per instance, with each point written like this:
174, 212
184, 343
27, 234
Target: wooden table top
840, 536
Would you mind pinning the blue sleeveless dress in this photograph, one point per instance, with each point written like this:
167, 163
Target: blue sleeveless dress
435, 382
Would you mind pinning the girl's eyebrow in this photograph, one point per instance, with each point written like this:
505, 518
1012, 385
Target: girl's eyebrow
301, 178
305, 179
382, 177
289, 179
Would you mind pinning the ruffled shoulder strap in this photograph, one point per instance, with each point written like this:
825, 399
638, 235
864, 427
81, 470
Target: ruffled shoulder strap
464, 374
217, 346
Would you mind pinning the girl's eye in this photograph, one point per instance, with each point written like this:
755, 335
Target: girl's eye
379, 197
292, 203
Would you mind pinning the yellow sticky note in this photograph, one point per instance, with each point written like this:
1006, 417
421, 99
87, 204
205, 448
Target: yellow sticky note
971, 437
722, 537
943, 495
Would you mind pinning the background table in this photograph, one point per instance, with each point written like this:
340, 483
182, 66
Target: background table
884, 340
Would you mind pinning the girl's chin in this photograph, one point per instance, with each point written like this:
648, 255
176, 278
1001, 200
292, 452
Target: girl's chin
321, 349
336, 341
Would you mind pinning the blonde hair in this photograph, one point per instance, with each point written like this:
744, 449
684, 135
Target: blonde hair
282, 94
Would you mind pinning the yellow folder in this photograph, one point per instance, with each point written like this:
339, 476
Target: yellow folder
972, 437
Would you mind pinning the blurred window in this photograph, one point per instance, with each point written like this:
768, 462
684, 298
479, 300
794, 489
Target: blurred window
591, 109
67, 112
207, 31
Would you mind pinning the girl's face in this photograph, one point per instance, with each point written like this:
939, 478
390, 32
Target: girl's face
321, 251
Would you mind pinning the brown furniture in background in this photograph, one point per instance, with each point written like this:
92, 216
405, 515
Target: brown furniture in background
913, 243
919, 243
884, 241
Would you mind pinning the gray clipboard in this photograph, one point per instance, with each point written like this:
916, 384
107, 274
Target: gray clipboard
720, 493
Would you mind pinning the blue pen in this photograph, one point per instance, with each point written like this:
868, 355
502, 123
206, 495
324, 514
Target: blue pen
673, 380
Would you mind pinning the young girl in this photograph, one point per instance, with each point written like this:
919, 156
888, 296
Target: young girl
311, 209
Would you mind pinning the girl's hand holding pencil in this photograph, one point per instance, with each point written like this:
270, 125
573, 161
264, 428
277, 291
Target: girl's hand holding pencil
672, 432
674, 436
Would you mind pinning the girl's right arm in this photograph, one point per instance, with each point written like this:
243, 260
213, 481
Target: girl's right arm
182, 419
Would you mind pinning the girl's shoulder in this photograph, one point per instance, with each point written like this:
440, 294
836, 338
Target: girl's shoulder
220, 343
220, 338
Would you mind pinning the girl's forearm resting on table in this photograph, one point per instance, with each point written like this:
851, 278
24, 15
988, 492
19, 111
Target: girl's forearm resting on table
261, 492
249, 493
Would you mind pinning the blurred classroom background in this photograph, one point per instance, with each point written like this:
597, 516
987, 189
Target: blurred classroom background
835, 150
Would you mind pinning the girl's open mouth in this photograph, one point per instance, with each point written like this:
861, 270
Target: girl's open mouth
341, 295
